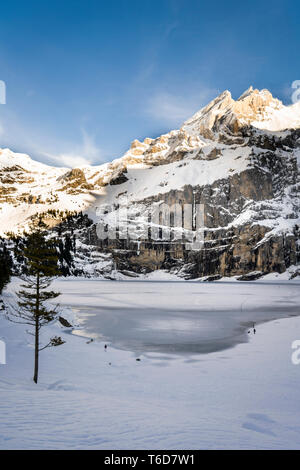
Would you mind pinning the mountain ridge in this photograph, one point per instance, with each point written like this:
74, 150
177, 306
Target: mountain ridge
227, 157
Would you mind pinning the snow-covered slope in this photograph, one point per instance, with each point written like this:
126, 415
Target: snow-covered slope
239, 158
253, 105
28, 187
246, 397
286, 117
32, 186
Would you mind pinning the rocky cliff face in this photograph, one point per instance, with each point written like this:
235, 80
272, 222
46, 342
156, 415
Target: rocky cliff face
238, 161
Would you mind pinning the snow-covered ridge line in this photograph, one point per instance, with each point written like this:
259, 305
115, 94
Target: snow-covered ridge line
209, 151
257, 108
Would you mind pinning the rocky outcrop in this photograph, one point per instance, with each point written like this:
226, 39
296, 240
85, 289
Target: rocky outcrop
250, 216
238, 160
224, 113
75, 181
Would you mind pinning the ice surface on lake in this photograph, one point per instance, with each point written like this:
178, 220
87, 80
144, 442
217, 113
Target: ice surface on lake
177, 317
91, 398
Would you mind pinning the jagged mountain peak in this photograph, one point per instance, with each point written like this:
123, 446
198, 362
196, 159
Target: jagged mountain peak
246, 182
225, 113
246, 93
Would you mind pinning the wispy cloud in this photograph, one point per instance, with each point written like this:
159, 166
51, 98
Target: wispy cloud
172, 109
84, 154
68, 159
151, 52
42, 148
170, 28
168, 108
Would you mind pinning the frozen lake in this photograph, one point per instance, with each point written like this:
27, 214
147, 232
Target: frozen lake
176, 317
246, 396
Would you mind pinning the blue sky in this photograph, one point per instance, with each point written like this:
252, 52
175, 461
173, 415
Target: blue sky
85, 78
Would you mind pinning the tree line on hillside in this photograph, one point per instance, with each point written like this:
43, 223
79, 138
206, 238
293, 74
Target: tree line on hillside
5, 265
64, 232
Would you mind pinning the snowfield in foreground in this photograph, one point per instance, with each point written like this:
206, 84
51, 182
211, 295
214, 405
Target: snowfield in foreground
246, 396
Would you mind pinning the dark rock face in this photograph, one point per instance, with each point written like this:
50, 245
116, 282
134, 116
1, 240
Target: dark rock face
244, 179
222, 162
119, 178
242, 218
64, 322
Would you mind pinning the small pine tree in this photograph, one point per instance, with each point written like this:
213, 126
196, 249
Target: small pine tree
41, 258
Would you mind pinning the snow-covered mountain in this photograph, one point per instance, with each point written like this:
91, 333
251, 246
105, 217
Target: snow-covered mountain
238, 159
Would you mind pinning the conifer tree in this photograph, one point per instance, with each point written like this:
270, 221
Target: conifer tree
5, 265
41, 258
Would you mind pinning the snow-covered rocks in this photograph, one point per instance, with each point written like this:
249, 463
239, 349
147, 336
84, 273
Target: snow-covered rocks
224, 113
239, 159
